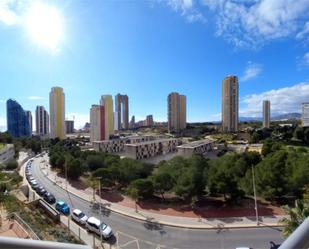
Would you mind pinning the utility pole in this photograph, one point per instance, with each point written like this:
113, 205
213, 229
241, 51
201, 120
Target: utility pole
255, 200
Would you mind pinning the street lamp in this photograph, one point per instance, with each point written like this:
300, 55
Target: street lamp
255, 201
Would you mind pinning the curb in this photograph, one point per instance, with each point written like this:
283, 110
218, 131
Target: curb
209, 227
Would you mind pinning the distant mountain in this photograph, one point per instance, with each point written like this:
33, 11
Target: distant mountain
293, 115
287, 116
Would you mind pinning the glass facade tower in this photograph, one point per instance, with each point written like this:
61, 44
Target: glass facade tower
17, 120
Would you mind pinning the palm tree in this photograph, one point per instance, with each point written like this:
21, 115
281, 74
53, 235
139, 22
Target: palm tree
297, 215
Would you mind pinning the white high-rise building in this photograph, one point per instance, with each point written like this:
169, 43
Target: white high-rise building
102, 119
305, 114
95, 123
57, 113
115, 116
41, 121
266, 113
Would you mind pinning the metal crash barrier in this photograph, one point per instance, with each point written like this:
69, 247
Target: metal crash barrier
14, 243
299, 238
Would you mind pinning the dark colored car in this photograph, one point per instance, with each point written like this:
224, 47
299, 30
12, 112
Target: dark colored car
49, 198
41, 190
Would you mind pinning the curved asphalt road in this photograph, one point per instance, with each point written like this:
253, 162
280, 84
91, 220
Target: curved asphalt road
151, 236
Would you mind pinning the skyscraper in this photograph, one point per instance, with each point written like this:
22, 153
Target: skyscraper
266, 113
177, 113
17, 120
95, 123
102, 119
107, 118
115, 120
57, 113
69, 126
230, 104
122, 108
132, 122
41, 121
305, 114
149, 120
29, 116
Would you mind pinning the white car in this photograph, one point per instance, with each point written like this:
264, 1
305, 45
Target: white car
79, 216
100, 228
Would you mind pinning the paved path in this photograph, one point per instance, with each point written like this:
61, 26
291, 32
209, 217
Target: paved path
146, 234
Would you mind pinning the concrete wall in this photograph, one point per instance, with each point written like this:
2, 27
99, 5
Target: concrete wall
7, 153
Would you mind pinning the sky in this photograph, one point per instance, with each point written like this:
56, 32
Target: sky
147, 49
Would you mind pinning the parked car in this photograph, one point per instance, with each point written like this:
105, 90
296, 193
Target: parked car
79, 216
48, 197
41, 190
100, 228
62, 207
34, 184
30, 178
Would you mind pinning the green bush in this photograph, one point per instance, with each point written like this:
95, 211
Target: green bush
11, 165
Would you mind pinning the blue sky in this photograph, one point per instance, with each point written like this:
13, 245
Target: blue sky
147, 49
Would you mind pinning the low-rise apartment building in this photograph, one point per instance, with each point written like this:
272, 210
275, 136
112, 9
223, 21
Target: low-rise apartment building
152, 148
118, 145
197, 147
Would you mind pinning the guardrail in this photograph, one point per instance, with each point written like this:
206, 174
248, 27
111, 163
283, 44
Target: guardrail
13, 243
299, 238
24, 225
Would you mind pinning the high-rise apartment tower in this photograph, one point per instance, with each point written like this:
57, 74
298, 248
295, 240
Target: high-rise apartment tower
122, 108
177, 112
305, 114
57, 113
230, 104
29, 116
41, 121
266, 113
17, 120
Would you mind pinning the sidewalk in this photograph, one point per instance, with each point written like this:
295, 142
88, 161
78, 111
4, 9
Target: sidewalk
161, 219
88, 238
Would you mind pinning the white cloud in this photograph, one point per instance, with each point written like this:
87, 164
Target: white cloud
304, 33
283, 100
253, 22
182, 5
2, 101
252, 71
186, 8
80, 119
306, 59
35, 98
7, 14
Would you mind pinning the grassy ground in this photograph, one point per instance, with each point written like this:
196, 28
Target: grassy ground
224, 137
1, 146
37, 219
